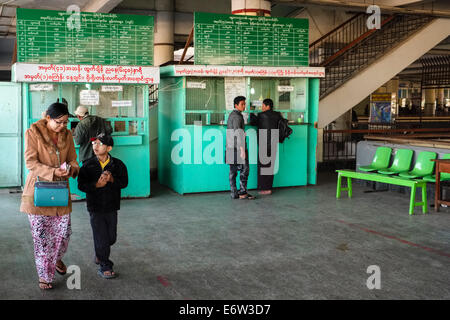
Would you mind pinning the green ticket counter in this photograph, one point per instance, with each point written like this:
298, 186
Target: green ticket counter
194, 104
123, 105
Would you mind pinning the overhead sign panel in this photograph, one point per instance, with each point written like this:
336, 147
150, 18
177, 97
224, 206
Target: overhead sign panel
48, 36
221, 39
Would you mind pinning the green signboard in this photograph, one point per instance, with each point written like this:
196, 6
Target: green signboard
47, 36
222, 39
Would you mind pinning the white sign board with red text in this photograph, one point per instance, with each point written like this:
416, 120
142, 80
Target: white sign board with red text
248, 71
28, 72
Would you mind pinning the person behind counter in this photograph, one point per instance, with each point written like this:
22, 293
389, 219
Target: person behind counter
88, 127
48, 145
266, 121
236, 150
102, 178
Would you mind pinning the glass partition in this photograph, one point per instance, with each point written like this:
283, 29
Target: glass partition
205, 100
288, 95
121, 105
209, 99
41, 96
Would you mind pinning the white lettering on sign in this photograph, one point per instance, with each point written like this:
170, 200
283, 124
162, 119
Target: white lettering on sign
195, 85
285, 88
28, 72
122, 103
300, 92
41, 87
89, 97
112, 88
246, 71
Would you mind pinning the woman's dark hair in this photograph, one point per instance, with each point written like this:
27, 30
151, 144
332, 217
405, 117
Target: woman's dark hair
238, 99
57, 110
269, 103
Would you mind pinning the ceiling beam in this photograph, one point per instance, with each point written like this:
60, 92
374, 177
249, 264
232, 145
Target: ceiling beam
394, 3
362, 7
101, 6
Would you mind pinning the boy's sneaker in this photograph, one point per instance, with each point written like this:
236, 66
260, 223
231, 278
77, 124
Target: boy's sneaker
247, 196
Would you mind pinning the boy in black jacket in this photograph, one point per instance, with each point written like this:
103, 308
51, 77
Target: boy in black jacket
101, 178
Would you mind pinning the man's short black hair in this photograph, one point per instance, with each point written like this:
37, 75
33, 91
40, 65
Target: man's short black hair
238, 99
269, 103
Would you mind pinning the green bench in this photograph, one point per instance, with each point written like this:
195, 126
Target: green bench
413, 184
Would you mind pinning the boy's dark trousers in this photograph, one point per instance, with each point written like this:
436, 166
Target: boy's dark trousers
104, 229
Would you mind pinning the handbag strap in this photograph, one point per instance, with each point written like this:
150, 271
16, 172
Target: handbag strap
57, 154
59, 162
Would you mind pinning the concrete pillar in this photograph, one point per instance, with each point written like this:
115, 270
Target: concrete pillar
163, 52
430, 102
251, 7
164, 31
440, 97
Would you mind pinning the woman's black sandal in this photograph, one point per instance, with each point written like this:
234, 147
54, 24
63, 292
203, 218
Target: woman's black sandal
62, 271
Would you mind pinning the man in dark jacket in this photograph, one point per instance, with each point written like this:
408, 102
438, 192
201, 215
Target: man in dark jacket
267, 122
102, 178
88, 127
236, 150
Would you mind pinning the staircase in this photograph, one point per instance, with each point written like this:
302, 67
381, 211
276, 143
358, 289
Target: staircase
351, 49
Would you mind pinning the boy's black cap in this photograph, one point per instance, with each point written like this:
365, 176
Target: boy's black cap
105, 139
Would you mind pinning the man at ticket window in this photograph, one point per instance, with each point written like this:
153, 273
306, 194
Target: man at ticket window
236, 151
88, 127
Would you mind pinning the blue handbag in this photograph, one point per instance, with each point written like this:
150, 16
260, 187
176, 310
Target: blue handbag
51, 193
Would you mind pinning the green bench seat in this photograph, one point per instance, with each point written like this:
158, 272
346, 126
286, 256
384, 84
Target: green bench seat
423, 166
379, 161
444, 175
413, 184
401, 163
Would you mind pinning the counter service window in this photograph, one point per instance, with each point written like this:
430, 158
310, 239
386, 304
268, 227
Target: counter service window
205, 100
209, 100
121, 105
289, 96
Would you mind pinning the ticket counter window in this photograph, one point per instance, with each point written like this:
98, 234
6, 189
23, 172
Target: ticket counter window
205, 101
288, 95
118, 101
121, 105
41, 96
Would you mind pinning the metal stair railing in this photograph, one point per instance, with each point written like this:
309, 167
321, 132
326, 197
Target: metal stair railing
354, 57
335, 40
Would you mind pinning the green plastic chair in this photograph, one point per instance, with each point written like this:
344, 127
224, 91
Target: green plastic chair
444, 176
401, 163
423, 166
380, 160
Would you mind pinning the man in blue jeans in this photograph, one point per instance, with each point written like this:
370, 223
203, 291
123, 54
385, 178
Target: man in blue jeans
236, 150
102, 178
